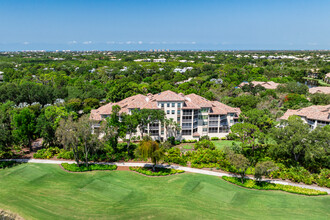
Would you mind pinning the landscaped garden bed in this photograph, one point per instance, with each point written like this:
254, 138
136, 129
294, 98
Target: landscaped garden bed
82, 168
272, 186
6, 164
158, 171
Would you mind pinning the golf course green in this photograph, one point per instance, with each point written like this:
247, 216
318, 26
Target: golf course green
43, 191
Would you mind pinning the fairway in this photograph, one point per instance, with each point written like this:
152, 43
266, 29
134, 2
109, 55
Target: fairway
43, 191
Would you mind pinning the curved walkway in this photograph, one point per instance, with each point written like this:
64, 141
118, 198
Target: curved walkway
187, 169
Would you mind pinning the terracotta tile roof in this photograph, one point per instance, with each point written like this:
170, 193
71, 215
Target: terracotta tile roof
168, 96
267, 85
191, 101
316, 112
327, 75
199, 101
320, 89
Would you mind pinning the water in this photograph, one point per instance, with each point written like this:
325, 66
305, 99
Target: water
311, 83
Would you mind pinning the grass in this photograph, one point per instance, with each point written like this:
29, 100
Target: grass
223, 143
272, 186
45, 191
188, 147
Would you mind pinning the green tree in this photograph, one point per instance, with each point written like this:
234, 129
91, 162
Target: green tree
261, 118
149, 149
292, 139
247, 133
130, 122
241, 164
67, 134
263, 168
24, 127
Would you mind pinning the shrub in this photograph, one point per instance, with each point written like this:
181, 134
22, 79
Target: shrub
82, 168
64, 154
159, 171
205, 137
204, 144
214, 138
6, 164
173, 155
271, 186
46, 153
171, 140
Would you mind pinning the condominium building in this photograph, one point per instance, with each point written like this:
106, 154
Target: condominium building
315, 115
196, 115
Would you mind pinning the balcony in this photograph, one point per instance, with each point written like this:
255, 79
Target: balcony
187, 120
154, 128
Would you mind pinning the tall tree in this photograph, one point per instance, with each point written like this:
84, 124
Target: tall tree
87, 138
149, 149
24, 127
68, 136
131, 122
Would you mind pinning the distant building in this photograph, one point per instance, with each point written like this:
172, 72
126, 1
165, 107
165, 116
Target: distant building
327, 78
160, 60
315, 115
1, 76
320, 89
196, 115
266, 85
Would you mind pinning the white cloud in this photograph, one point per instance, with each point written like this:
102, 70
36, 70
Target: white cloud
26, 43
72, 42
140, 42
87, 42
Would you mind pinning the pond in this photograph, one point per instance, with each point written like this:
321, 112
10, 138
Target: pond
311, 83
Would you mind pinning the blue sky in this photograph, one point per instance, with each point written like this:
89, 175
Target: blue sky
160, 24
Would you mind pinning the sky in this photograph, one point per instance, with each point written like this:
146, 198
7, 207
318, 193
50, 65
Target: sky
164, 24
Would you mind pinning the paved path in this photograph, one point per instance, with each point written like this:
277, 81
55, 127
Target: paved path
188, 169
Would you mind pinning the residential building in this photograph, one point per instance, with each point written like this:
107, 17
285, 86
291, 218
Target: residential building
266, 85
160, 60
1, 76
327, 78
196, 115
316, 115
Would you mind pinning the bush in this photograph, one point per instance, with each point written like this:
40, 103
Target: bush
159, 171
46, 153
171, 140
7, 164
271, 186
300, 174
64, 154
204, 144
214, 138
173, 155
82, 168
205, 137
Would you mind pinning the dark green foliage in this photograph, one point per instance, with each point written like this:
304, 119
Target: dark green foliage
174, 155
7, 164
158, 171
271, 186
82, 168
204, 144
320, 99
295, 101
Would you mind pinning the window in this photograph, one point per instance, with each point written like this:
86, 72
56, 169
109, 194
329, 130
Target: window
168, 112
162, 132
179, 105
162, 105
213, 130
204, 129
204, 122
168, 105
186, 132
173, 104
223, 129
186, 125
173, 112
179, 112
205, 110
178, 119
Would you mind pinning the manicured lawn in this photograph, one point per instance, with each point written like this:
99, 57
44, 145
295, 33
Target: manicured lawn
222, 143
40, 191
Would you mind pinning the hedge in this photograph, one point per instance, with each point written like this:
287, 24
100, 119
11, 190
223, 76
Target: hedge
272, 186
82, 168
6, 164
159, 171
